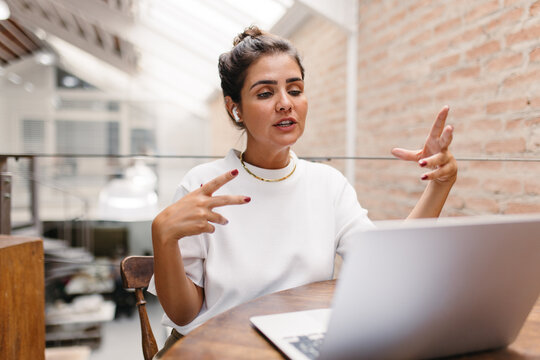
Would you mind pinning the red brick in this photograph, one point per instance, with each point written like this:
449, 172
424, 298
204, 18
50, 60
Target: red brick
503, 186
534, 102
522, 208
467, 147
482, 89
433, 14
467, 72
482, 10
530, 76
445, 62
485, 125
534, 10
415, 5
514, 145
447, 26
513, 124
532, 122
466, 181
535, 55
484, 49
505, 62
421, 38
448, 94
473, 34
455, 202
532, 187
488, 166
466, 110
435, 49
484, 205
531, 33
507, 18
504, 106
523, 168
397, 17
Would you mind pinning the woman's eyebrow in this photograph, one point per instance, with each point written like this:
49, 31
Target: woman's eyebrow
274, 82
294, 79
266, 82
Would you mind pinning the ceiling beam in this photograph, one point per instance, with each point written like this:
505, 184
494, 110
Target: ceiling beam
19, 35
58, 22
14, 46
6, 55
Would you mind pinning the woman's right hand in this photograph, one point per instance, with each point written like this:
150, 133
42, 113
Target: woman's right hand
193, 214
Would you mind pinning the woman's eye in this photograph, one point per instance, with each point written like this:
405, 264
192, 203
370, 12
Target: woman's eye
295, 92
264, 95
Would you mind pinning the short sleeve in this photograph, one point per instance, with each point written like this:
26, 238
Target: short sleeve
192, 249
351, 218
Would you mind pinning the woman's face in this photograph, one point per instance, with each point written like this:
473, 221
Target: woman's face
274, 106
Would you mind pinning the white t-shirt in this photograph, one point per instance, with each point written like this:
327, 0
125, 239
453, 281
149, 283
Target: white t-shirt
285, 237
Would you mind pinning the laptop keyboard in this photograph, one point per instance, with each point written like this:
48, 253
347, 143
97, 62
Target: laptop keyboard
308, 345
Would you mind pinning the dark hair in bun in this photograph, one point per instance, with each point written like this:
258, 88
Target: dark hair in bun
249, 46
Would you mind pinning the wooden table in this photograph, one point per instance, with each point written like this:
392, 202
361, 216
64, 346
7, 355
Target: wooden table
231, 336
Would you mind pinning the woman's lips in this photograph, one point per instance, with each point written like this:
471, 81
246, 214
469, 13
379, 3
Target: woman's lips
285, 123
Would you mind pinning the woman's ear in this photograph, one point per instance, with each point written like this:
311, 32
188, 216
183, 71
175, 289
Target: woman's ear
232, 109
229, 104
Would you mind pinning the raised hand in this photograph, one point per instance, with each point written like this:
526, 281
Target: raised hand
193, 214
434, 154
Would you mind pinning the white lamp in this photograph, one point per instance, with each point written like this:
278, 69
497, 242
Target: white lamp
4, 10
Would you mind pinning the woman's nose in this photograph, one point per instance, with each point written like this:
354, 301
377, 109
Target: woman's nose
283, 103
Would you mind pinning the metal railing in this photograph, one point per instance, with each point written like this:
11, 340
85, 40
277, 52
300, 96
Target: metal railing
6, 177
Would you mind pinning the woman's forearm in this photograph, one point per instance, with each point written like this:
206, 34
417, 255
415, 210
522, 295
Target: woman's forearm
432, 200
180, 298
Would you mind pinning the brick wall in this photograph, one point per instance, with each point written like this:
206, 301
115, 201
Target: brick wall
480, 57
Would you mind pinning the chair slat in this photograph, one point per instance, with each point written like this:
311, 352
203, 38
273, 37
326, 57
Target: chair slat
137, 271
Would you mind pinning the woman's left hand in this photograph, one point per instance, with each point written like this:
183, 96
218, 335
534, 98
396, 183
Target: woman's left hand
435, 154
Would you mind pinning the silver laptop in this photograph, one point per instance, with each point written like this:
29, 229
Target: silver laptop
422, 289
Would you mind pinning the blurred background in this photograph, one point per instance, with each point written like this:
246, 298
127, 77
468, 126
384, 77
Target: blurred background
105, 104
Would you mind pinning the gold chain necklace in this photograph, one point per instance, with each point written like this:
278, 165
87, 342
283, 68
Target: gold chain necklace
263, 179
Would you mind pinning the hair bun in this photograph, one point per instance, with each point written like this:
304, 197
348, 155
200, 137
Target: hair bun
252, 31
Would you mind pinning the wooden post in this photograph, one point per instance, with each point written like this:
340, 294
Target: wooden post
22, 298
5, 197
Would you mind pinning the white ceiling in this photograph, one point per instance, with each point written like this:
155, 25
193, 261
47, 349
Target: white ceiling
148, 50
157, 50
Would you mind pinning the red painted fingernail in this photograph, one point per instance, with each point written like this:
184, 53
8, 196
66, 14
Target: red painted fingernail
201, 185
234, 172
247, 199
424, 177
422, 163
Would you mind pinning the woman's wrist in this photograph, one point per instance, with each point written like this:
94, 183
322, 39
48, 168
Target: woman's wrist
162, 239
446, 183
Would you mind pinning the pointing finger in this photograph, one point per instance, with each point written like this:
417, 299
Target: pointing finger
223, 200
210, 187
403, 154
438, 125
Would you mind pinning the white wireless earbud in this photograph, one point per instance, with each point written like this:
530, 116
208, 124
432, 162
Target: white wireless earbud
235, 115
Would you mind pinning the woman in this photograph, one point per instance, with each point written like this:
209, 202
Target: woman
292, 215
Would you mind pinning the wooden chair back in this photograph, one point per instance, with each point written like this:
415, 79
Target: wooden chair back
136, 274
